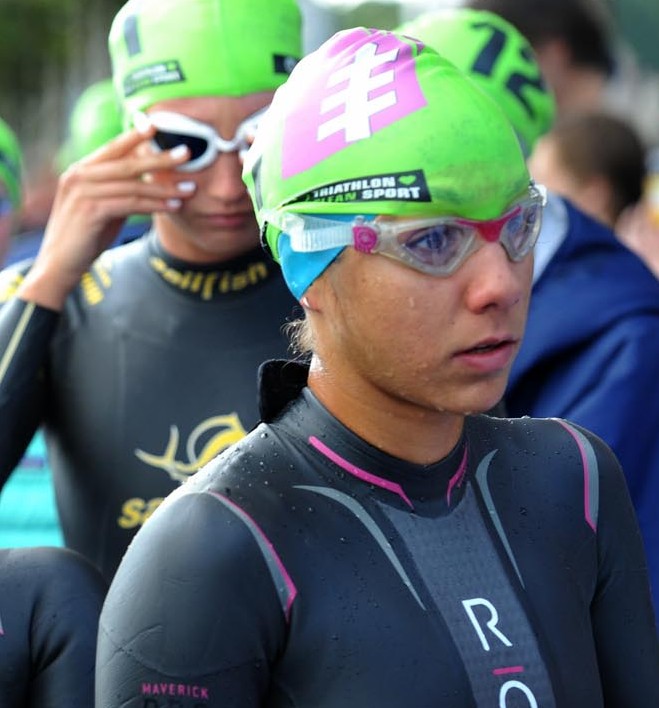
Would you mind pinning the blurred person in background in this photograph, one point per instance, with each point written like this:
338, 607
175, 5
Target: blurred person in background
94, 120
595, 160
27, 504
591, 344
583, 60
10, 186
140, 360
638, 226
50, 602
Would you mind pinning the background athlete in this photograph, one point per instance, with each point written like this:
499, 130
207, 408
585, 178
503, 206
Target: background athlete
28, 514
10, 186
50, 600
376, 542
141, 363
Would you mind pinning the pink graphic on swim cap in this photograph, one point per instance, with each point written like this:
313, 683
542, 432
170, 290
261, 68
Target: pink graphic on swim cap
367, 82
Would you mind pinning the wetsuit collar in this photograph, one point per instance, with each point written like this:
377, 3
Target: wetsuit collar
214, 280
432, 489
280, 382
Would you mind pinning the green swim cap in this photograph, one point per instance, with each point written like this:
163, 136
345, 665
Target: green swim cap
95, 119
498, 58
164, 49
374, 122
10, 164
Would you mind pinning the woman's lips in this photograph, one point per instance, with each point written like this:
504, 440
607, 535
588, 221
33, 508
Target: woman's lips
490, 356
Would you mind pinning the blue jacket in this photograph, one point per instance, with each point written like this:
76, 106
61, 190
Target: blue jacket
591, 355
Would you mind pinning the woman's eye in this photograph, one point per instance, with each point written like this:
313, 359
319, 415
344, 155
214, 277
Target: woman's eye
434, 238
433, 244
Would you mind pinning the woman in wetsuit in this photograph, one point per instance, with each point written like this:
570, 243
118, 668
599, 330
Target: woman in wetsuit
377, 541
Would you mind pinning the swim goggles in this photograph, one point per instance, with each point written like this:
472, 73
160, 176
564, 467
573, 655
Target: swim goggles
203, 142
437, 246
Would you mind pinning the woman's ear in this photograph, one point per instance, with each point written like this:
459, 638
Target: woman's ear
312, 298
308, 301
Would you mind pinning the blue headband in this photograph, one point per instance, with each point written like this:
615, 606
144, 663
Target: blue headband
301, 269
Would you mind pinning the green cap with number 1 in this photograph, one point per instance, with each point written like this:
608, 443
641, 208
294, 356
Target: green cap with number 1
165, 49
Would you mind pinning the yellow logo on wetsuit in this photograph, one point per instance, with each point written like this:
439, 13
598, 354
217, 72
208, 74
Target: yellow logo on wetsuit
230, 430
207, 284
9, 282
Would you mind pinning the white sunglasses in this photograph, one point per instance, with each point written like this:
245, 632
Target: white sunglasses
203, 142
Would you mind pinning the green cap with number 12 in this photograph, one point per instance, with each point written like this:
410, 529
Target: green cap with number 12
498, 58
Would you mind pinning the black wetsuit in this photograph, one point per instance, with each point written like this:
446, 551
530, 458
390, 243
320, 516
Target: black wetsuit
148, 373
306, 568
50, 600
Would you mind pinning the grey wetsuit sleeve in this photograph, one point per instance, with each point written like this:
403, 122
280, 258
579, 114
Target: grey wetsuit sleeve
193, 615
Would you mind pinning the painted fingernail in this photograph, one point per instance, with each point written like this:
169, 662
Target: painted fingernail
178, 151
186, 186
174, 203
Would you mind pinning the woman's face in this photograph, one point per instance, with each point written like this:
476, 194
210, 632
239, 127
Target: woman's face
217, 222
441, 343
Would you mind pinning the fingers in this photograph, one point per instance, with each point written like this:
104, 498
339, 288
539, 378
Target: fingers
93, 198
82, 186
120, 146
130, 157
118, 180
